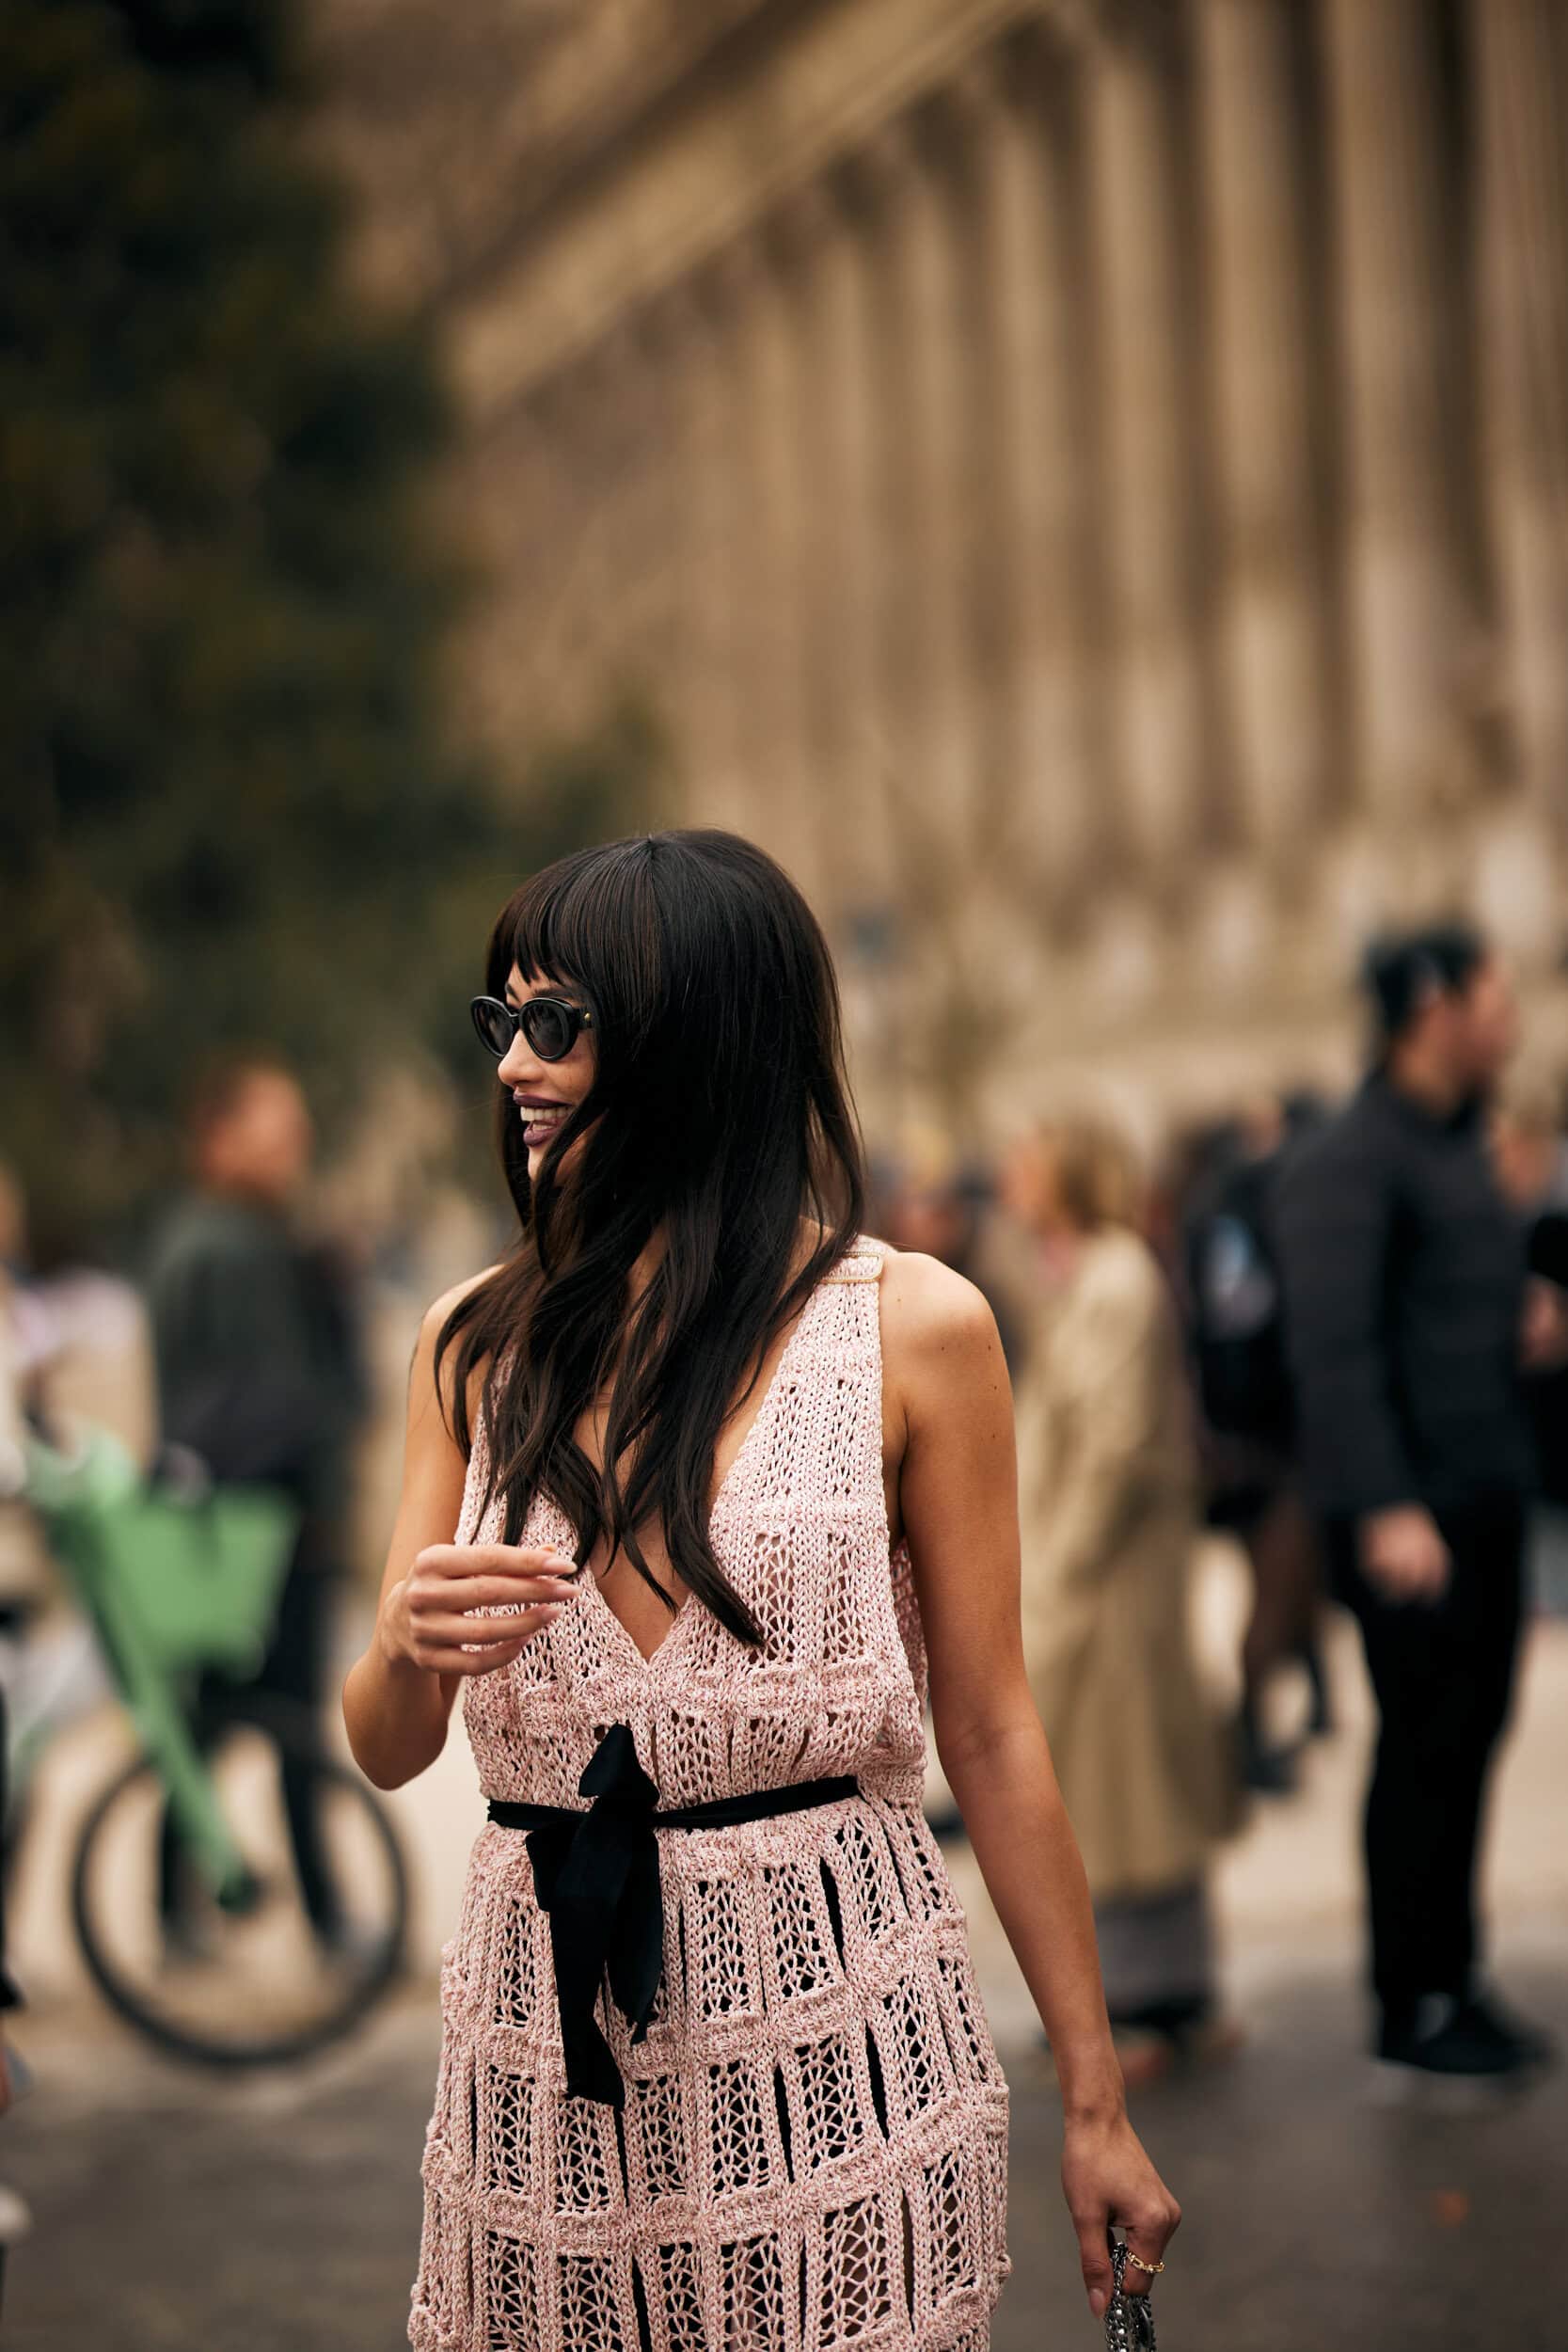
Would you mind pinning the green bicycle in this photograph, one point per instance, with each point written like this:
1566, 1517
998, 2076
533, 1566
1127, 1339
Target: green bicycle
175, 1586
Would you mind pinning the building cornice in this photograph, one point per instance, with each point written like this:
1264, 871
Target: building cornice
646, 202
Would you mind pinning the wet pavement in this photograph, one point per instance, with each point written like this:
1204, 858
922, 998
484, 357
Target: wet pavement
173, 2214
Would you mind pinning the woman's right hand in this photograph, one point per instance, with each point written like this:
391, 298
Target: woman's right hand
441, 1615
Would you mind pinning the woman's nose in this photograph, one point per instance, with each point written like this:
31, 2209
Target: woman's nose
519, 1066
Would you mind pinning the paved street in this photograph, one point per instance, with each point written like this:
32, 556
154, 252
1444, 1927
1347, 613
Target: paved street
281, 2216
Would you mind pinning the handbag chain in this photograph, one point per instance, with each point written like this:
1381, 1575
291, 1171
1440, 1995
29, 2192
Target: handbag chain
1129, 2318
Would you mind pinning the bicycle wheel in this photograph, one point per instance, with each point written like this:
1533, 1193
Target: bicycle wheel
266, 1978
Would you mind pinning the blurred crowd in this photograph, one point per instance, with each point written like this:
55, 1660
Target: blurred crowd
1330, 1335
1333, 1335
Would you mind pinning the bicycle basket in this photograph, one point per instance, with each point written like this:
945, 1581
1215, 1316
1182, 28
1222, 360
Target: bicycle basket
198, 1579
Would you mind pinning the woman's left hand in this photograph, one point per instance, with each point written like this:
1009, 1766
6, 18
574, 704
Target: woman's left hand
1109, 2182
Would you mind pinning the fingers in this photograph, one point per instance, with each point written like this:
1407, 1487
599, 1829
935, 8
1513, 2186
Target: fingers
1133, 2280
480, 1661
453, 1592
510, 1561
481, 1632
456, 1644
1094, 2255
459, 1595
1147, 2238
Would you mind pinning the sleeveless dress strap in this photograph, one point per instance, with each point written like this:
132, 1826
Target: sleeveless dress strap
862, 1262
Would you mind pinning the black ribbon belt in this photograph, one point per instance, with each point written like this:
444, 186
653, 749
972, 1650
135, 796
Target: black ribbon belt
597, 1877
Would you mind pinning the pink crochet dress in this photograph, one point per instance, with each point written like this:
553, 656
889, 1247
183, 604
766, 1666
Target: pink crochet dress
813, 2149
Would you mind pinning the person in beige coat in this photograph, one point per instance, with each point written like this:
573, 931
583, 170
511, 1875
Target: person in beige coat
1109, 1503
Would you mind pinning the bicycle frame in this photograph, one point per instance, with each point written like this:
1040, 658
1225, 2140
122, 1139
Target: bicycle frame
156, 1621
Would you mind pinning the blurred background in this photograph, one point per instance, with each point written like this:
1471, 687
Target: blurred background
1085, 484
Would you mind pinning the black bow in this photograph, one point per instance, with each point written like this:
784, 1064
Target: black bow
595, 1874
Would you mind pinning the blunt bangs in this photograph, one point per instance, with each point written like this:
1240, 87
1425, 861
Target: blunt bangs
590, 920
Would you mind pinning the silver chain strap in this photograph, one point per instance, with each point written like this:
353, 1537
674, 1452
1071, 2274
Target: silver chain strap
1129, 2318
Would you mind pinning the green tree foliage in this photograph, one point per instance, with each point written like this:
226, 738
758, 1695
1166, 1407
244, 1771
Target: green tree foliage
230, 807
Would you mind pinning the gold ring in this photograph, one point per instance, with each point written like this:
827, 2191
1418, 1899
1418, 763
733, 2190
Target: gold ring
1152, 2268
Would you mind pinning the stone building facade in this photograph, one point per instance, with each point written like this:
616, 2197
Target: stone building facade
1085, 483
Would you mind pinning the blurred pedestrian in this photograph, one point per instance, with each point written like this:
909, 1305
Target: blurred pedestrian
926, 1197
1531, 1156
1409, 1317
259, 1375
1231, 1289
1109, 1494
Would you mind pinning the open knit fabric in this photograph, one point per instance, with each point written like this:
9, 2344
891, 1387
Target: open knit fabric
813, 2149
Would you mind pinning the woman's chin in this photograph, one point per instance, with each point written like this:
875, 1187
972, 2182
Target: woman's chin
537, 1153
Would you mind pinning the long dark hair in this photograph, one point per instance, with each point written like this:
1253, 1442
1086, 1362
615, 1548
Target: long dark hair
718, 1115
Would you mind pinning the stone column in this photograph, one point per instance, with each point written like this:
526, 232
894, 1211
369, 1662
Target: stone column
1163, 760
1522, 53
707, 474
1040, 486
587, 602
771, 504
510, 653
926, 381
1274, 648
849, 747
647, 494
1411, 609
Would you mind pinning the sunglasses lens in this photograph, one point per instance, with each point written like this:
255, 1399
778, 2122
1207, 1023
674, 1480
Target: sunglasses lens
493, 1024
549, 1028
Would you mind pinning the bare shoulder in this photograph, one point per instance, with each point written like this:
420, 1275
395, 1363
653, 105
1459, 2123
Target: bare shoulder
439, 1308
432, 1324
936, 1322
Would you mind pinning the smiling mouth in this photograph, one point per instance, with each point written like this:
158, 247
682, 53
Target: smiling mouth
541, 1119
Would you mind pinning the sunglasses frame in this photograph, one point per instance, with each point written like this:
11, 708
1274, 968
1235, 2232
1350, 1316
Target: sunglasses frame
578, 1019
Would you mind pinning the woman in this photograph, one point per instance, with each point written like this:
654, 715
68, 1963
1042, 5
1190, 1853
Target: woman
724, 1475
1109, 1497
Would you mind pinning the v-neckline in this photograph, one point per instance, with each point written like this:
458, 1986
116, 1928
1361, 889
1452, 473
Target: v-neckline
646, 1659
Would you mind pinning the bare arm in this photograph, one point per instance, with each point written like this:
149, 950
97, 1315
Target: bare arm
959, 1504
398, 1697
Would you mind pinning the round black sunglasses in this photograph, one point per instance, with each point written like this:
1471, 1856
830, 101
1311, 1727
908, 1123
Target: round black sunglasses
551, 1024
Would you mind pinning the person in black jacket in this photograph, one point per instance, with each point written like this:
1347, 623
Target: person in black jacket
260, 1374
1410, 1317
